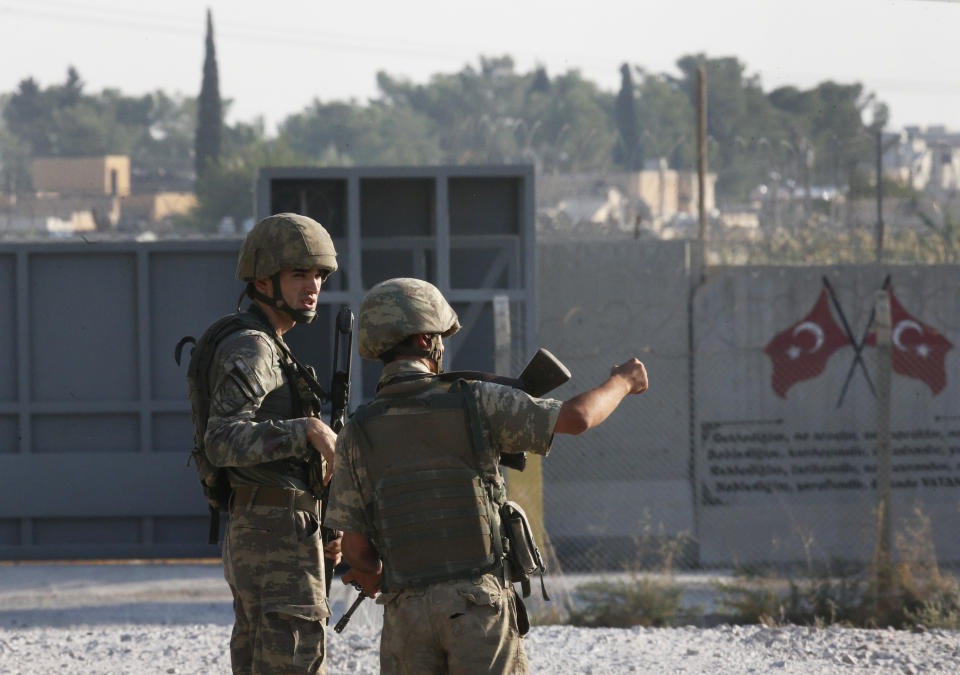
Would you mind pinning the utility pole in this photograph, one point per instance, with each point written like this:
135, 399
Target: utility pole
879, 252
702, 167
880, 116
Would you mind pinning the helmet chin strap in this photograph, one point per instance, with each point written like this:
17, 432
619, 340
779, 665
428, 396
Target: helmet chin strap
436, 352
278, 302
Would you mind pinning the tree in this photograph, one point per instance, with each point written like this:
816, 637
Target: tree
29, 116
63, 120
749, 140
161, 159
575, 131
209, 109
627, 152
541, 82
347, 133
485, 113
494, 114
666, 122
226, 188
830, 116
72, 89
14, 159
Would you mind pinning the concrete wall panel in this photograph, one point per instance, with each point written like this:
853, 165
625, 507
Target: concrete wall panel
600, 303
788, 477
83, 323
8, 336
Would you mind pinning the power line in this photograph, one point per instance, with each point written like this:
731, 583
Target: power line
169, 24
286, 36
64, 11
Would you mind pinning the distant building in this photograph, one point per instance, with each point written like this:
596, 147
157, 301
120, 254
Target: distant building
87, 176
155, 207
927, 158
907, 159
80, 194
652, 196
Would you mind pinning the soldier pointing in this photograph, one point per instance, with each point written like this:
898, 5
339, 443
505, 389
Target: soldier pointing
418, 494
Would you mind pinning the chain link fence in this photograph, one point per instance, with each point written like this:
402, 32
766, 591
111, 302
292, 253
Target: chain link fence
785, 415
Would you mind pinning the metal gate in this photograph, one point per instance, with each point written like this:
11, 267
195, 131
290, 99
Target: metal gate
94, 420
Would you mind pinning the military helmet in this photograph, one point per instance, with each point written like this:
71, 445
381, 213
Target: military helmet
285, 241
398, 308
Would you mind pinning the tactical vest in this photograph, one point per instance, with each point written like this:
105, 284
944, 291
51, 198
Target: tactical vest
437, 491
302, 398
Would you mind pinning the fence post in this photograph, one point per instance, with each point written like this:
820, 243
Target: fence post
882, 559
702, 166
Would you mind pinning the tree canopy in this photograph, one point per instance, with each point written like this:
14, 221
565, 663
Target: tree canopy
486, 113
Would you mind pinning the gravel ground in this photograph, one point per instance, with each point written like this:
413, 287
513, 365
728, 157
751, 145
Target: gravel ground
153, 618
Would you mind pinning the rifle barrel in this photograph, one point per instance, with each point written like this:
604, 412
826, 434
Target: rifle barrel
345, 619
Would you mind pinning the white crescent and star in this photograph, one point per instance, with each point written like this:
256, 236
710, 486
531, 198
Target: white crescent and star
806, 327
906, 325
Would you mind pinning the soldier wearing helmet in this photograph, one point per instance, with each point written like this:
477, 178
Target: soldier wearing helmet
263, 434
286, 241
418, 492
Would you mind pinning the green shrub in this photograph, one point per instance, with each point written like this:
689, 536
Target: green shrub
942, 611
639, 601
908, 591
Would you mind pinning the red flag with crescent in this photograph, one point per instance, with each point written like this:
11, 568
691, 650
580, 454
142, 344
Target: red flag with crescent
801, 351
919, 351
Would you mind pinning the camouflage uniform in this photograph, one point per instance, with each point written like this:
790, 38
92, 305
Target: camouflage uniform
256, 430
272, 555
464, 625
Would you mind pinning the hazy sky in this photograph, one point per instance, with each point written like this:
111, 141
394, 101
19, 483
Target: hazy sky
276, 56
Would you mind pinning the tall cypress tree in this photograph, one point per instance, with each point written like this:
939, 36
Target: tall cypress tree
209, 109
541, 81
627, 152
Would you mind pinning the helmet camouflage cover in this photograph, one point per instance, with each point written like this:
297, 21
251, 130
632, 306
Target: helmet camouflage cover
398, 308
285, 241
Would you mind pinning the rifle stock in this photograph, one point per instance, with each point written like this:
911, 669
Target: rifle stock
542, 374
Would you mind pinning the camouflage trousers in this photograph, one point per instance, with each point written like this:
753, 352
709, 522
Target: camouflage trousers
457, 627
273, 562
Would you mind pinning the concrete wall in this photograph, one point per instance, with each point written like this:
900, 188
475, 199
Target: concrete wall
759, 477
598, 304
790, 478
94, 427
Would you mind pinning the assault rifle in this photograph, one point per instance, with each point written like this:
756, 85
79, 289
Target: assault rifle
339, 400
542, 374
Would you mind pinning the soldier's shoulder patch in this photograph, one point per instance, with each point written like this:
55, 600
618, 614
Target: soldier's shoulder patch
246, 378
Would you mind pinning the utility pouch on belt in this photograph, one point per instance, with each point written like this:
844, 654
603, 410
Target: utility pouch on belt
523, 555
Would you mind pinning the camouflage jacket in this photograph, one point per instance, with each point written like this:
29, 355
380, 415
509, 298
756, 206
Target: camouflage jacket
254, 428
512, 422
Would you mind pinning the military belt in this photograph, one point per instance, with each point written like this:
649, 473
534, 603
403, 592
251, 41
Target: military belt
257, 495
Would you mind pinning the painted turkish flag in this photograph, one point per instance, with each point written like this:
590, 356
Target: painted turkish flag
919, 351
801, 351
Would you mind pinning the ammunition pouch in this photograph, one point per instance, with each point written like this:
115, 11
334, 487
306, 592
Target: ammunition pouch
523, 555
